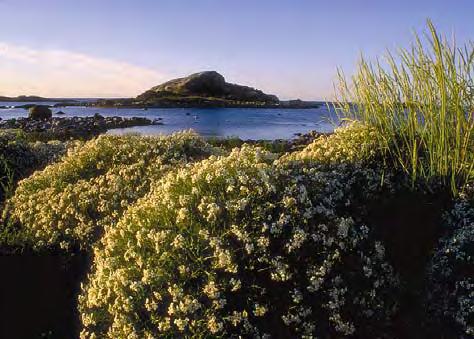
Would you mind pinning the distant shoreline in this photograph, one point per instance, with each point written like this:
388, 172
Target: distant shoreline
183, 103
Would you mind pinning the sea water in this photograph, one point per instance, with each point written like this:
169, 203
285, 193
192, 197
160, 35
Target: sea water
245, 123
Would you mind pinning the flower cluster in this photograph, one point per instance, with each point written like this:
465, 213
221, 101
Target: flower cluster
350, 143
70, 202
451, 288
241, 245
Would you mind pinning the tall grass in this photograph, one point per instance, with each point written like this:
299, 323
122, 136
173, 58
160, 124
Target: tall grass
421, 103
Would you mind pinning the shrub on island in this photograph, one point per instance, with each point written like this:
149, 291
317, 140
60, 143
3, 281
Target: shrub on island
243, 246
68, 203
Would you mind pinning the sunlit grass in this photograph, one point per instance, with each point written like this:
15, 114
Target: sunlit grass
421, 104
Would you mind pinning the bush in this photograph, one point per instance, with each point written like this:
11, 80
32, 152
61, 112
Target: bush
240, 246
19, 158
451, 288
273, 146
68, 203
353, 143
15, 159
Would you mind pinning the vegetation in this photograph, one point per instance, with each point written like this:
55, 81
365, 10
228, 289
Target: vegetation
451, 279
275, 146
239, 245
355, 143
19, 157
69, 203
421, 107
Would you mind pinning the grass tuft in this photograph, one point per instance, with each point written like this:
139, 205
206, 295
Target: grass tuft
421, 105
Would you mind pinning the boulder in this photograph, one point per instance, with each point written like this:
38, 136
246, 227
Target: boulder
39, 112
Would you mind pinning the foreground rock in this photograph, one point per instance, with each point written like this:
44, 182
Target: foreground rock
276, 146
40, 113
305, 139
74, 127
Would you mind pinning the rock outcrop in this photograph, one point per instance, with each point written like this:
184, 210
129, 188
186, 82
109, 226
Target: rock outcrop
75, 127
204, 89
39, 112
208, 84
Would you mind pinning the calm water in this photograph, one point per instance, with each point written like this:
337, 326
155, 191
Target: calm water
245, 123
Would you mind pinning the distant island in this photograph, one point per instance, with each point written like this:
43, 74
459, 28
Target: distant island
204, 89
32, 98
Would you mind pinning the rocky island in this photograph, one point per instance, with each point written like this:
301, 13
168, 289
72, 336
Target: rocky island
204, 89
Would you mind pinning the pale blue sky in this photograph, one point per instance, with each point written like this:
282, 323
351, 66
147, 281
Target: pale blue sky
289, 48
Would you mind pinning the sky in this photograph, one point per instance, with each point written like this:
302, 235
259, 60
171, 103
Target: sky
291, 48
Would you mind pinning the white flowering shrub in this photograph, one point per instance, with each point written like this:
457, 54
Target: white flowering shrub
351, 143
242, 246
451, 288
69, 202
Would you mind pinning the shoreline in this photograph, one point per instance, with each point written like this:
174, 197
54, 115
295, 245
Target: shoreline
61, 128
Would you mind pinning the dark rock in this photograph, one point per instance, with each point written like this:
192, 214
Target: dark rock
73, 103
39, 112
60, 113
302, 140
